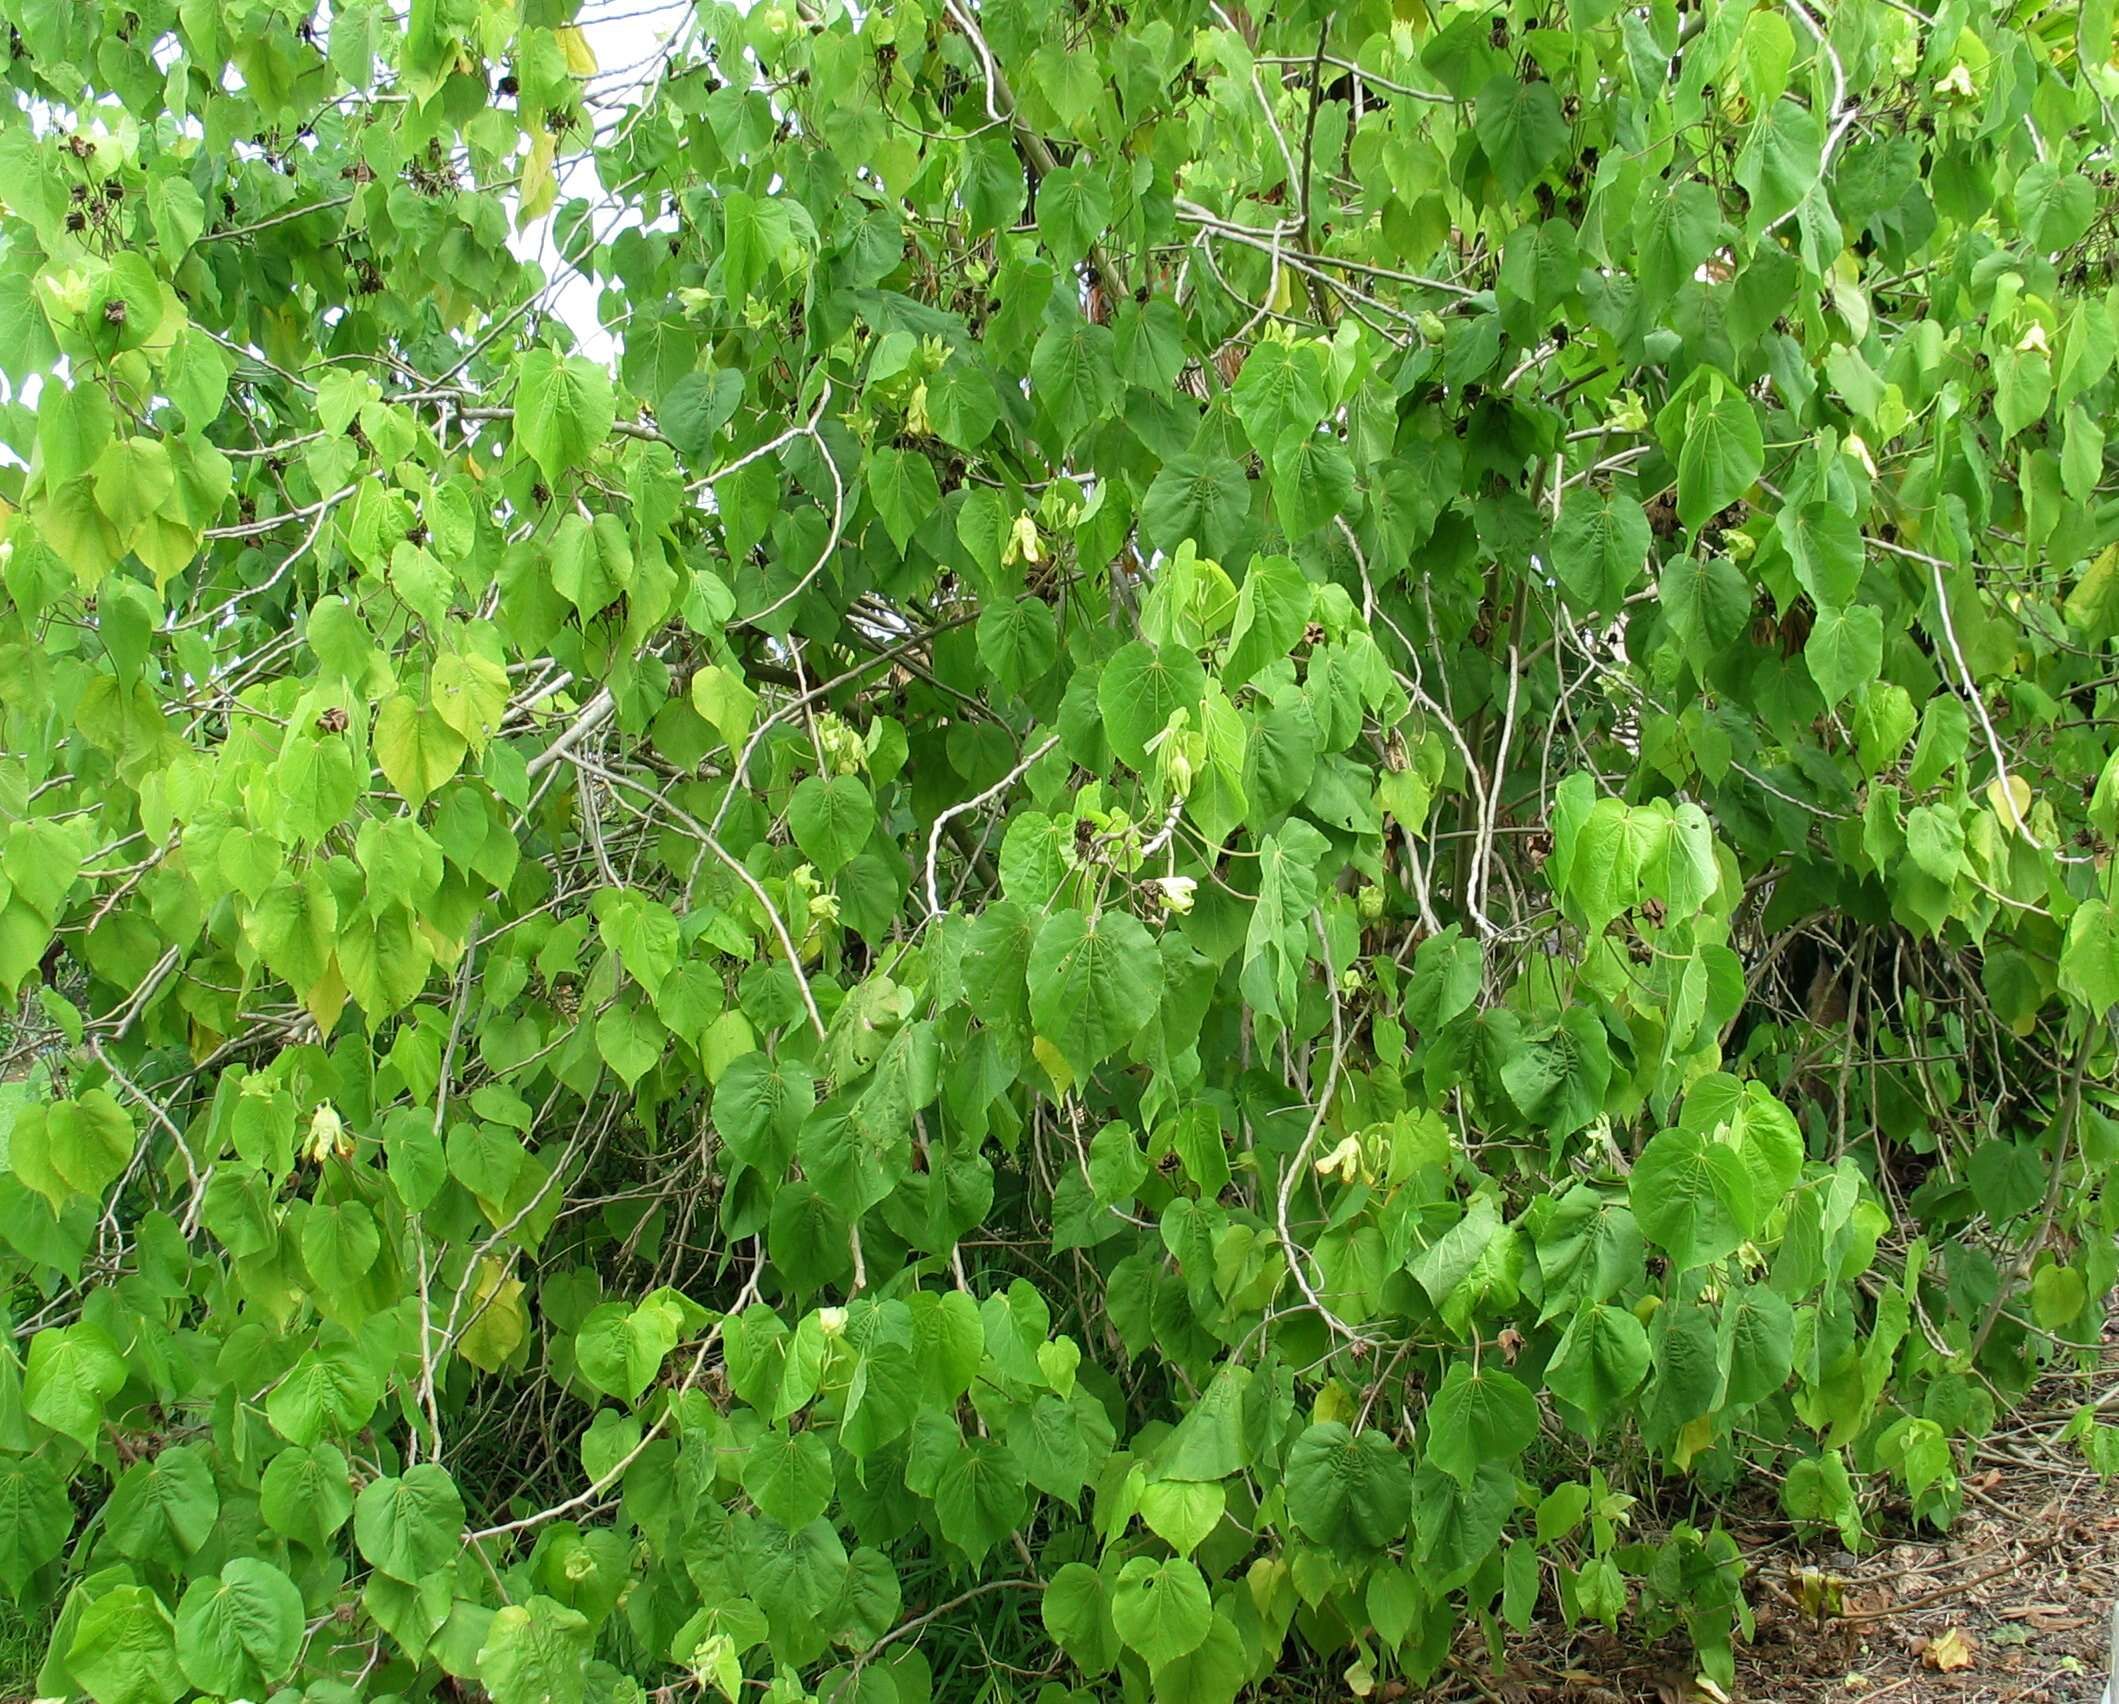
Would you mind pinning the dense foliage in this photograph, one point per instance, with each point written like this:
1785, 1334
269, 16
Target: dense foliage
1204, 842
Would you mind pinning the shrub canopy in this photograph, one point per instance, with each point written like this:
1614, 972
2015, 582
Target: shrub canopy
1032, 846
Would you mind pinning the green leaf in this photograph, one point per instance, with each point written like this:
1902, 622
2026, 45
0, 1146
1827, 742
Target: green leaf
2055, 204
808, 1237
1781, 161
1313, 481
788, 1475
2023, 385
536, 1652
1826, 547
331, 1388
1019, 641
1272, 609
1674, 230
1588, 1250
1350, 1493
239, 1632
1520, 128
620, 1350
905, 491
592, 562
339, 1245
1073, 207
1161, 1609
1212, 1672
832, 820
1708, 602
1094, 984
981, 1495
2089, 961
73, 1371
2081, 454
1721, 454
306, 1494
642, 932
1074, 373
1211, 1442
961, 403
134, 477
1600, 547
1076, 1612
1693, 1197
564, 408
470, 693
1283, 390
2008, 1179
1614, 850
1602, 1358
1139, 691
1062, 1441
35, 1518
73, 1147
694, 409
125, 1649
759, 1106
1845, 650
163, 1510
1456, 1526
1198, 496
1755, 1347
410, 1525
1478, 1417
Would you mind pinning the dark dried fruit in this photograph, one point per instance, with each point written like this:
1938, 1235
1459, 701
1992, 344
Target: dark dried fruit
332, 721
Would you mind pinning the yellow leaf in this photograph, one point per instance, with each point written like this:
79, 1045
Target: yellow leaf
580, 57
1334, 1402
1055, 1064
1696, 1435
723, 698
326, 998
540, 188
1949, 1651
2018, 794
498, 1323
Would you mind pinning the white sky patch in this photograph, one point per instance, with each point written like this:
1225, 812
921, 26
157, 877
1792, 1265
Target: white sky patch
629, 39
